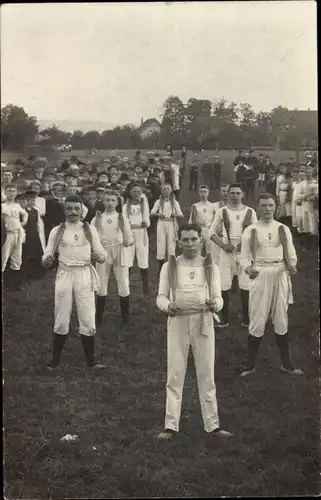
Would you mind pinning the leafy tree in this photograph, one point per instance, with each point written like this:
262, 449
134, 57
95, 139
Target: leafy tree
227, 111
247, 115
54, 136
91, 139
173, 121
18, 129
76, 139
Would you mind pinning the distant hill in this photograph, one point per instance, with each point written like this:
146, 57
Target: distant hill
71, 125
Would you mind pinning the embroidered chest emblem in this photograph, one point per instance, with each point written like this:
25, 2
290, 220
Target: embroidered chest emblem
109, 221
237, 217
76, 237
192, 275
204, 210
134, 210
269, 236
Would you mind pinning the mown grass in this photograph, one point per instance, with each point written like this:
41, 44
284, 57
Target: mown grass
274, 417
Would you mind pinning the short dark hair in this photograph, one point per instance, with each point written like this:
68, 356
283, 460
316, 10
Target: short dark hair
265, 196
235, 185
189, 227
204, 186
75, 198
11, 186
135, 184
111, 192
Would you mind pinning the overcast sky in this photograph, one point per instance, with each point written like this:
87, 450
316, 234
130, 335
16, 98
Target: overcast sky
118, 62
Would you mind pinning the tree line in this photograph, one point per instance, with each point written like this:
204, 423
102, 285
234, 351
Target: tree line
198, 123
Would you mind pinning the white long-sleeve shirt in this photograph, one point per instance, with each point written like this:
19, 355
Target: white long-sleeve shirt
269, 248
192, 289
236, 219
12, 213
74, 248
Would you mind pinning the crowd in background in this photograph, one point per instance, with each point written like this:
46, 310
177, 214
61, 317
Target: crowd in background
40, 187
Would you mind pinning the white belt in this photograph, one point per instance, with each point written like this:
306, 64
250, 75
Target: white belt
93, 273
268, 262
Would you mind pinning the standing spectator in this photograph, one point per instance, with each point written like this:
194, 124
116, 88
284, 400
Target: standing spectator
240, 170
169, 150
270, 177
55, 212
193, 176
240, 158
35, 243
207, 172
284, 197
261, 170
308, 195
249, 181
183, 157
217, 171
175, 166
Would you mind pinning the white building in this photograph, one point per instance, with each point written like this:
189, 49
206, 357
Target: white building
149, 127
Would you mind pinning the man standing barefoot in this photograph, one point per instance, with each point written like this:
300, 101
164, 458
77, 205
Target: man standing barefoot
190, 292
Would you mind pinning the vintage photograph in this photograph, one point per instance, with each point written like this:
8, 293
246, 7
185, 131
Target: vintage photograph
160, 239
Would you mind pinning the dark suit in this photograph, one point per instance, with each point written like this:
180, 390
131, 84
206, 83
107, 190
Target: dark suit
55, 214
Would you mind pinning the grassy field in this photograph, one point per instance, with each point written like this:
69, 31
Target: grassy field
117, 414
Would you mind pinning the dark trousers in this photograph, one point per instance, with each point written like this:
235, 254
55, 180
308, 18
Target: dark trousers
240, 180
176, 193
249, 188
193, 181
217, 181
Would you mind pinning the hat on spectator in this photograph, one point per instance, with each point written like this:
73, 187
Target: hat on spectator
20, 196
74, 166
35, 181
31, 194
58, 184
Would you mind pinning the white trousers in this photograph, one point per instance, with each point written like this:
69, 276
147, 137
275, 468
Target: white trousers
269, 297
211, 247
140, 248
183, 332
122, 278
309, 218
296, 215
229, 267
166, 241
12, 249
261, 176
76, 283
